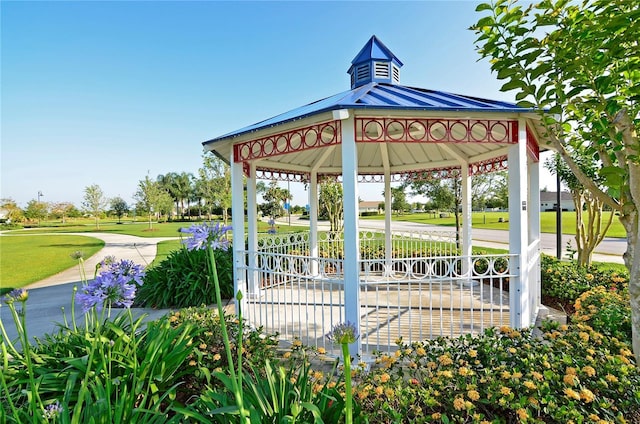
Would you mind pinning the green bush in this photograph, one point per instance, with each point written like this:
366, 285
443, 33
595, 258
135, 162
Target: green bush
574, 374
183, 279
565, 281
606, 310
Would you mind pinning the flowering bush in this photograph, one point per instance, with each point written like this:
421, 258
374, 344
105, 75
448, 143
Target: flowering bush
606, 310
574, 375
565, 282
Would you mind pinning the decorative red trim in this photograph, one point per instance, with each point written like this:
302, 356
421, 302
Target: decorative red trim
500, 163
533, 148
297, 140
420, 130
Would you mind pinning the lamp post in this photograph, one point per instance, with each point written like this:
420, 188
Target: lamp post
40, 195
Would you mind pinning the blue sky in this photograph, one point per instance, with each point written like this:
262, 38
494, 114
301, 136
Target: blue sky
108, 92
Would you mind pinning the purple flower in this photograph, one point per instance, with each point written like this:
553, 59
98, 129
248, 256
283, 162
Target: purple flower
52, 410
344, 333
116, 285
206, 235
16, 295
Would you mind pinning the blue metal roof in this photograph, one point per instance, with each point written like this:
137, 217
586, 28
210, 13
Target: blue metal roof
374, 50
382, 96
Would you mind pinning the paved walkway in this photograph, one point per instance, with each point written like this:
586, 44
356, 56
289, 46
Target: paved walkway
50, 299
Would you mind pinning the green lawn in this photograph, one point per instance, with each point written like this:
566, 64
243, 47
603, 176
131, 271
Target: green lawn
25, 259
490, 220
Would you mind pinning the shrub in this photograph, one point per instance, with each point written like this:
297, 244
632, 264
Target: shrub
209, 353
574, 374
565, 281
606, 310
182, 279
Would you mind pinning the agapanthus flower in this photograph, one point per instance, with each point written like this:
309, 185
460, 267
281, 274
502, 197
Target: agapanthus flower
52, 410
78, 254
344, 333
206, 235
115, 285
16, 295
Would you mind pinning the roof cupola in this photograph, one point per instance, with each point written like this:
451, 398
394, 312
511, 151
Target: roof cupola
374, 63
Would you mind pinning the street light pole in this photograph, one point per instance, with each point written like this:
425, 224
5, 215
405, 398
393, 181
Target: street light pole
40, 195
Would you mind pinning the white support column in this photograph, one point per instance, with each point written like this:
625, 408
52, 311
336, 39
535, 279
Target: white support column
351, 239
237, 220
534, 235
388, 243
466, 219
518, 229
313, 222
252, 233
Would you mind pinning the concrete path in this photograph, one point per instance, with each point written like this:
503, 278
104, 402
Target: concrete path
610, 250
50, 299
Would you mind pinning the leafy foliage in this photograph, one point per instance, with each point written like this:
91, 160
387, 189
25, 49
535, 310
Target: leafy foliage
183, 279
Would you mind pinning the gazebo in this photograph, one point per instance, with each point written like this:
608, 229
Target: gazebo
390, 284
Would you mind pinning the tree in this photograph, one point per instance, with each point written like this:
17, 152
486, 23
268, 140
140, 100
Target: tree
591, 228
12, 212
490, 189
274, 199
94, 201
62, 210
152, 199
398, 200
36, 211
577, 64
332, 205
119, 207
214, 185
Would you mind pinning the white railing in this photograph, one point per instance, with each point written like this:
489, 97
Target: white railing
415, 298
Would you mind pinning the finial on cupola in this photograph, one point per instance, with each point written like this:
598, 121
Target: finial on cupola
374, 63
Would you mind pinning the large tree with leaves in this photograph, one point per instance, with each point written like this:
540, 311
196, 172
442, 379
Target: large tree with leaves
214, 185
331, 203
152, 198
579, 64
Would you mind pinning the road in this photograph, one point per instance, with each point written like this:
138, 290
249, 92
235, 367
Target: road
610, 250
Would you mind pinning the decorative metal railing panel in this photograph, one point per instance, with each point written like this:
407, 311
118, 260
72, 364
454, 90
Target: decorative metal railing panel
414, 298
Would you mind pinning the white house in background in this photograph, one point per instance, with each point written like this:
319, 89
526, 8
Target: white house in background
370, 206
548, 201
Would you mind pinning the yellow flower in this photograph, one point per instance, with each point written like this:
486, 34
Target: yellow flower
217, 357
570, 380
529, 385
446, 373
297, 343
571, 371
594, 417
572, 394
505, 391
625, 352
384, 378
389, 392
322, 350
379, 390
522, 414
533, 401
318, 375
473, 395
464, 371
192, 363
517, 375
537, 375
398, 353
420, 351
363, 394
506, 374
611, 378
286, 355
202, 346
564, 327
445, 359
505, 329
587, 395
473, 353
331, 384
458, 404
436, 415
293, 380
584, 336
408, 351
512, 350
590, 371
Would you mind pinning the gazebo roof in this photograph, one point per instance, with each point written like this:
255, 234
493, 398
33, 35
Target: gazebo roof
383, 97
422, 129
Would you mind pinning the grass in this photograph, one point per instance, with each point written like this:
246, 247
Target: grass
491, 220
26, 259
